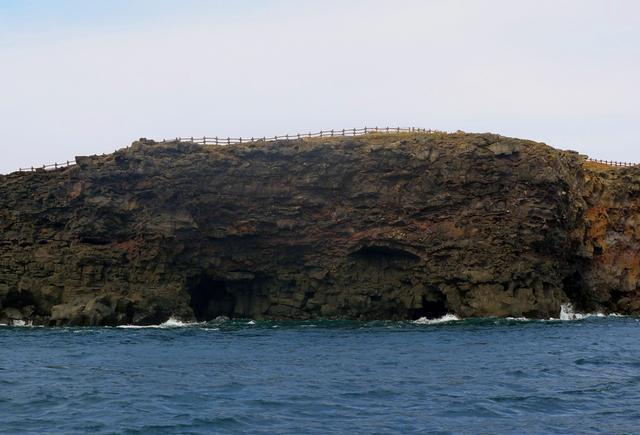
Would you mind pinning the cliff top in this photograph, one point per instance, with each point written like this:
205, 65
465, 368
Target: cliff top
497, 144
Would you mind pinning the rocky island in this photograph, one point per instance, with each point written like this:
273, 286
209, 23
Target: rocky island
379, 226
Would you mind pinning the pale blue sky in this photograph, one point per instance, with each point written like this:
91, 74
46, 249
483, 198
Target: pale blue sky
80, 77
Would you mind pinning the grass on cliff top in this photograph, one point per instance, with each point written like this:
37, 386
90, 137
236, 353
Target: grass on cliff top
383, 137
599, 167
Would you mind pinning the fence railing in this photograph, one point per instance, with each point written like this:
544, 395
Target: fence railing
611, 163
50, 167
206, 140
216, 140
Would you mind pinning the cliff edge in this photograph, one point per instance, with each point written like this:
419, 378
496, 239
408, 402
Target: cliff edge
379, 226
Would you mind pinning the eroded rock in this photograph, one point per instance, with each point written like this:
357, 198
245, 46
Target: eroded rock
390, 226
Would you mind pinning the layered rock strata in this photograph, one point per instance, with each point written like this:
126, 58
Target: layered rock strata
380, 226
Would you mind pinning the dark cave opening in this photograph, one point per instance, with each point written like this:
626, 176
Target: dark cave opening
431, 309
19, 299
572, 284
575, 288
210, 298
374, 253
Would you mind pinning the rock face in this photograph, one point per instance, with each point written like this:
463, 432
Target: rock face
387, 226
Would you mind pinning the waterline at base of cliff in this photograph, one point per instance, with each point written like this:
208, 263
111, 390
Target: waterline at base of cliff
567, 313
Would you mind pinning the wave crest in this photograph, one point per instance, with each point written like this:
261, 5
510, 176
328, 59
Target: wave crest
172, 322
568, 312
444, 319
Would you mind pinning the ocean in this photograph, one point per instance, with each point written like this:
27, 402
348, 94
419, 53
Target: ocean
449, 376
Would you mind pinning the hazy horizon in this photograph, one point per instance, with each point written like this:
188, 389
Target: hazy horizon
83, 77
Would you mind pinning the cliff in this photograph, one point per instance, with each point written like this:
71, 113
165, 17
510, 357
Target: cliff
380, 226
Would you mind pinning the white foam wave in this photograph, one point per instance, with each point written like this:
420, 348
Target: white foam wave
21, 324
444, 319
568, 312
176, 323
172, 322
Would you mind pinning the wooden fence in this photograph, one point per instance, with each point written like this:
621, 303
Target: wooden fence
50, 167
611, 163
206, 140
215, 140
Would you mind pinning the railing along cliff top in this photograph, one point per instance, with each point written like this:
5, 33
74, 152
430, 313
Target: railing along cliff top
611, 162
216, 140
206, 140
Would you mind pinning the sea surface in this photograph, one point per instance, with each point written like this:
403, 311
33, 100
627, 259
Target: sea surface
447, 376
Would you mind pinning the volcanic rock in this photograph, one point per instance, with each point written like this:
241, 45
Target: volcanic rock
379, 226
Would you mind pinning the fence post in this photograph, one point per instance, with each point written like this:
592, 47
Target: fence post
204, 140
320, 133
332, 132
354, 131
365, 130
240, 140
286, 137
228, 140
298, 135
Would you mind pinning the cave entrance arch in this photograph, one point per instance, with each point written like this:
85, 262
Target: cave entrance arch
210, 298
431, 309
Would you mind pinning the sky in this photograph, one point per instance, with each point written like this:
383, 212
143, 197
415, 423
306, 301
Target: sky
82, 77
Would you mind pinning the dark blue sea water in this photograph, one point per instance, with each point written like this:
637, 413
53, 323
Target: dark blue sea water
467, 377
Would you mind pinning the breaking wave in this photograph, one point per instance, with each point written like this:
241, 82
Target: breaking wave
444, 319
21, 324
568, 312
172, 322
